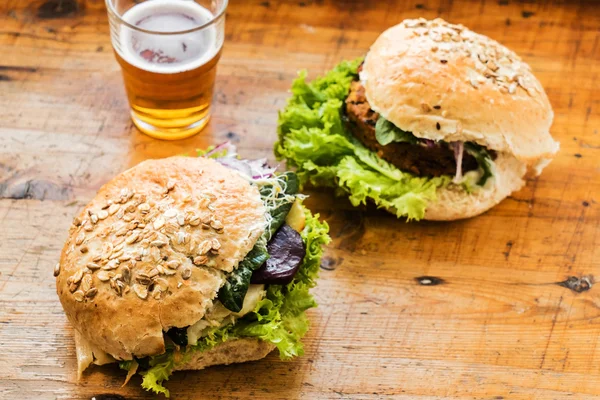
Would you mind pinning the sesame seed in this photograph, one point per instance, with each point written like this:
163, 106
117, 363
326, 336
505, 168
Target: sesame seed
115, 255
78, 296
120, 240
438, 126
80, 238
76, 278
133, 237
170, 213
120, 246
57, 269
443, 61
103, 276
204, 247
93, 266
73, 286
216, 224
86, 283
140, 290
158, 223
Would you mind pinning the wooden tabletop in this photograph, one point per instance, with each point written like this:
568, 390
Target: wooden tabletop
502, 306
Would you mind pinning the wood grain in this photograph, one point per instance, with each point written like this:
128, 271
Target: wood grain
477, 309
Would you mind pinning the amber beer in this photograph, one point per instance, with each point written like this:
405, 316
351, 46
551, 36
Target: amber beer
169, 65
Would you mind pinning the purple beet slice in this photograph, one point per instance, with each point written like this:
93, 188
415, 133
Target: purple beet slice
286, 251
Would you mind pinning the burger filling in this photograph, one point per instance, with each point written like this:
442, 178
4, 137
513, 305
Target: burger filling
421, 157
333, 138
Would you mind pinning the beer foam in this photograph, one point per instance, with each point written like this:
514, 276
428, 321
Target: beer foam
168, 54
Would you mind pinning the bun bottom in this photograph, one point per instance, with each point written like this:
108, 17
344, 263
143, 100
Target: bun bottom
229, 352
454, 203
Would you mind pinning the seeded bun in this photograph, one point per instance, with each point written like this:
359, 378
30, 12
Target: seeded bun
151, 250
441, 81
229, 352
453, 202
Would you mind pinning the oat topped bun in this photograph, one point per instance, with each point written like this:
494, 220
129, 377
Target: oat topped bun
442, 81
152, 249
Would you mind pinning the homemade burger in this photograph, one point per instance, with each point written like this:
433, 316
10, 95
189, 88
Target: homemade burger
437, 123
187, 262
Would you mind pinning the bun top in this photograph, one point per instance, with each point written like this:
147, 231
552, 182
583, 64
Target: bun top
442, 81
152, 249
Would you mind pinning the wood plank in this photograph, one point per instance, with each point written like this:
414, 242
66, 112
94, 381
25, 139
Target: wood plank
500, 323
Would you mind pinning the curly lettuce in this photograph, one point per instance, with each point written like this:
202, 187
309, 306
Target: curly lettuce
386, 133
312, 138
279, 318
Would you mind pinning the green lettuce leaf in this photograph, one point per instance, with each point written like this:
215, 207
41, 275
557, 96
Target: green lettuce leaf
406, 197
312, 138
483, 158
160, 370
233, 292
279, 318
386, 133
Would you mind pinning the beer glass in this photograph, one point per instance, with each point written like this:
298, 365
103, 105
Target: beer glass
168, 51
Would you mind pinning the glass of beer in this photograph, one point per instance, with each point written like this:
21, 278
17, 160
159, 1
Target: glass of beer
168, 51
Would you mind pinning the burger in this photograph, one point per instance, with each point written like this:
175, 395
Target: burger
437, 122
186, 262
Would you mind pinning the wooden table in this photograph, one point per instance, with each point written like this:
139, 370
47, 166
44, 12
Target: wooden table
502, 306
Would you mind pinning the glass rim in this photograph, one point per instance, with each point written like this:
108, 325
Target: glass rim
221, 11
